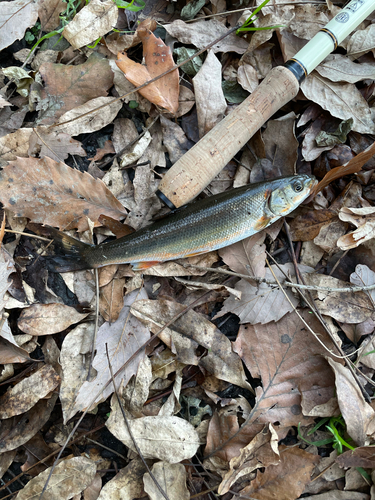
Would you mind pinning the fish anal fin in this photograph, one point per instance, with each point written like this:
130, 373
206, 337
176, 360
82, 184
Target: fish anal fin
140, 266
262, 223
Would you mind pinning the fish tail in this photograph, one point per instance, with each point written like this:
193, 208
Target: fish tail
66, 253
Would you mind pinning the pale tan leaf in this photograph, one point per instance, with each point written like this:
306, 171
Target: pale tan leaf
172, 480
361, 41
93, 21
15, 18
339, 495
342, 100
247, 256
202, 33
363, 276
339, 68
95, 120
189, 331
346, 307
247, 77
70, 477
288, 478
209, 95
127, 484
358, 415
4, 102
15, 144
123, 338
24, 395
175, 268
171, 439
53, 193
364, 219
74, 360
46, 319
262, 451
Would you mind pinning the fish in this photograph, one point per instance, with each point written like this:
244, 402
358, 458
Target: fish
202, 226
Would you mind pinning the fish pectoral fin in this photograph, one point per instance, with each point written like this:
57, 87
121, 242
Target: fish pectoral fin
139, 266
262, 223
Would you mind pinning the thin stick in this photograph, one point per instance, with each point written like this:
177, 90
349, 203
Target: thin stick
164, 494
28, 234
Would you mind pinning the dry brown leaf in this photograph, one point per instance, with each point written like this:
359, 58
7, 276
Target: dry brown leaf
364, 219
17, 430
172, 439
112, 299
49, 13
247, 256
209, 95
69, 86
174, 139
361, 41
70, 477
203, 33
123, 338
189, 331
95, 20
347, 307
339, 495
262, 451
11, 353
171, 478
54, 144
175, 268
53, 193
24, 395
307, 226
363, 276
15, 144
363, 456
288, 360
15, 18
351, 167
342, 100
158, 58
358, 415
127, 484
288, 478
74, 360
46, 319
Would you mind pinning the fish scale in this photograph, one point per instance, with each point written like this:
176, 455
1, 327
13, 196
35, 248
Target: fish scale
200, 227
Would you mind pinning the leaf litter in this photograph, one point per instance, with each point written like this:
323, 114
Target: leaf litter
232, 379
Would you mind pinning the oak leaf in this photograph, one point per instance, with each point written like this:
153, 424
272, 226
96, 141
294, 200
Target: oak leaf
158, 58
52, 193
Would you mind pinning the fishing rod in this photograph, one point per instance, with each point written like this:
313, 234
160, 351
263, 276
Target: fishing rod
196, 169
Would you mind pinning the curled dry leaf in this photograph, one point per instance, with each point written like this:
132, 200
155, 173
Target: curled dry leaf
288, 478
364, 219
171, 478
15, 18
53, 193
28, 392
262, 451
46, 319
70, 477
171, 439
158, 58
92, 22
189, 331
358, 415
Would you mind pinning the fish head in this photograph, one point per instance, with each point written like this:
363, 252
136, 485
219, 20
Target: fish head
290, 193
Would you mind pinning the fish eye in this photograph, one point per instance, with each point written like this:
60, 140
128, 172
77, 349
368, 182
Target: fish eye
297, 186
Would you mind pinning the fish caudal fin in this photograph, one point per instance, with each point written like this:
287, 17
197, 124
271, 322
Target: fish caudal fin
65, 253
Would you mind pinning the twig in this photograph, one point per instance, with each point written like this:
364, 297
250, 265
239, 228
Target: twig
163, 493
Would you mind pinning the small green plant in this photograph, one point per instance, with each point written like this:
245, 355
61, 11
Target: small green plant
247, 24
